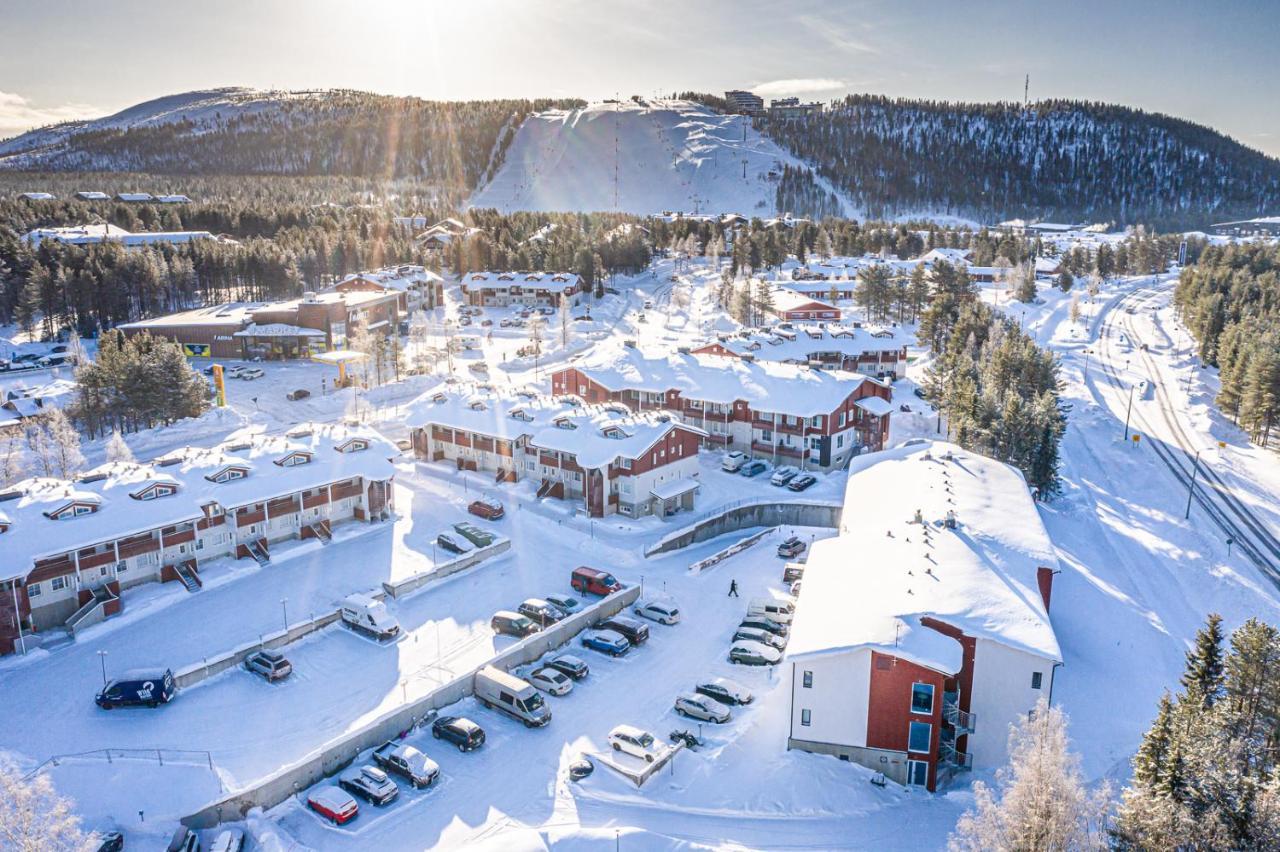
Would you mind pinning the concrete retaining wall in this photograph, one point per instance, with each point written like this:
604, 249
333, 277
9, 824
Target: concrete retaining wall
733, 549
290, 780
193, 674
746, 516
400, 588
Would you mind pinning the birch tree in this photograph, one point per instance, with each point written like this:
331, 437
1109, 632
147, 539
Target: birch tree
34, 818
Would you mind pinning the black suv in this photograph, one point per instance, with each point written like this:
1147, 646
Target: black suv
464, 733
635, 632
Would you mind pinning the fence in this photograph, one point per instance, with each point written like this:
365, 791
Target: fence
333, 757
745, 514
149, 755
735, 548
412, 583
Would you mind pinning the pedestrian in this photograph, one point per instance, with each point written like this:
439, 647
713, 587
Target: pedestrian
733, 588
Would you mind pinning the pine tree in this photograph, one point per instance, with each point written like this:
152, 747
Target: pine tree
1065, 281
1149, 762
1204, 671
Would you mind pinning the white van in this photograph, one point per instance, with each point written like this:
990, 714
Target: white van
733, 461
507, 693
779, 611
369, 615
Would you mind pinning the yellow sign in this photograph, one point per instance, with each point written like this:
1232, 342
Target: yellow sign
219, 385
1222, 445
1137, 438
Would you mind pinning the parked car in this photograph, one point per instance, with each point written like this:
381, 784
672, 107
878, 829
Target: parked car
542, 613
474, 534
793, 546
755, 467
138, 688
111, 841
763, 622
697, 706
551, 681
756, 634
801, 482
490, 510
795, 589
507, 623
233, 372
663, 612
725, 691
369, 615
635, 742
606, 642
453, 543
565, 603
297, 394
754, 654
369, 783
574, 667
272, 665
779, 610
462, 732
589, 581
333, 803
918, 392
208, 371
508, 694
251, 373
407, 762
183, 840
733, 461
792, 571
783, 475
60, 349
633, 631
505, 322
581, 768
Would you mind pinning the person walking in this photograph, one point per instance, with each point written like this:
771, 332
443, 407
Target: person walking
733, 588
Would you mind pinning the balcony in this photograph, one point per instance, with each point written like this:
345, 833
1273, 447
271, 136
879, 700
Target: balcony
953, 759
764, 447
955, 717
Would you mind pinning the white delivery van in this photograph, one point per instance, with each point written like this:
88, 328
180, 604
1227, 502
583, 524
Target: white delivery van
779, 611
369, 615
517, 698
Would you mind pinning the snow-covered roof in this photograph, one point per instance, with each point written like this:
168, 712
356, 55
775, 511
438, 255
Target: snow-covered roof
567, 281
1261, 220
277, 329
875, 405
92, 195
34, 535
406, 277
799, 342
765, 385
786, 299
38, 196
134, 196
172, 199
874, 584
89, 234
599, 435
227, 314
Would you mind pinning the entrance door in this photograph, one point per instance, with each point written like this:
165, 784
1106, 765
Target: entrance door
917, 773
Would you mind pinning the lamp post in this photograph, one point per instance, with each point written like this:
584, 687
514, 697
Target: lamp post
1128, 411
102, 658
284, 610
1087, 353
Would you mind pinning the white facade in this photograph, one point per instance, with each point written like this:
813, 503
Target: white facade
835, 704
1003, 694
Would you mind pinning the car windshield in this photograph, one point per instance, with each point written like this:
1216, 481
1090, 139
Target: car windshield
645, 740
608, 580
532, 703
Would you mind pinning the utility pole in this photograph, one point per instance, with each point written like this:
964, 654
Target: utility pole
1127, 412
1195, 468
1026, 92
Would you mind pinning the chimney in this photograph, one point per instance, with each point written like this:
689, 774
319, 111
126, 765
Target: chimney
1044, 578
309, 297
630, 344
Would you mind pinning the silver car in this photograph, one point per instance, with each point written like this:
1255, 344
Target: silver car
701, 707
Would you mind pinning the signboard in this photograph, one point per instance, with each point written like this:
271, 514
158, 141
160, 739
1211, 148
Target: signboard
1137, 438
219, 385
197, 350
1182, 253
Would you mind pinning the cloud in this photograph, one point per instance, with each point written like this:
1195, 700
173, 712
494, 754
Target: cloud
800, 86
17, 114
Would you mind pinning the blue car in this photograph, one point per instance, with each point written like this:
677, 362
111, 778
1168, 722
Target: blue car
606, 642
754, 468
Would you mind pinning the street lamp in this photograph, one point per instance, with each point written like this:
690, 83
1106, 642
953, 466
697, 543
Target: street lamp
284, 609
1087, 353
102, 658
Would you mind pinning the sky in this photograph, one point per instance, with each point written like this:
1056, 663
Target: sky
1213, 63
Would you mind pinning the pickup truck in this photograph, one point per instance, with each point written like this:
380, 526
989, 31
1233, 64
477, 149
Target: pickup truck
407, 762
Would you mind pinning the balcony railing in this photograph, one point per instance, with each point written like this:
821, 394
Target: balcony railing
956, 759
955, 717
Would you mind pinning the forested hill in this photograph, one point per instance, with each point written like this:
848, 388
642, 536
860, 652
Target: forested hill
243, 131
1057, 160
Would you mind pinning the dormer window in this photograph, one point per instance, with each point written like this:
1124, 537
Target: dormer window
565, 423
4, 528
228, 474
155, 490
353, 445
521, 414
294, 459
438, 397
72, 510
613, 432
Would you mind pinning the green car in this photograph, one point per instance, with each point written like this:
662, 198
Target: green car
473, 534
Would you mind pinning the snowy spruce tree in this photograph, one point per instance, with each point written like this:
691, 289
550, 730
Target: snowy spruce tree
117, 449
1040, 801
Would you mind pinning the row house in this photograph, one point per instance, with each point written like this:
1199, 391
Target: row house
922, 631
792, 306
419, 287
872, 351
71, 548
605, 456
786, 413
523, 289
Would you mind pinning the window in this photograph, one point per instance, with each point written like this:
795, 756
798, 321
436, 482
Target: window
33, 590
920, 737
808, 680
199, 544
1036, 678
122, 566
58, 583
922, 698
805, 718
816, 421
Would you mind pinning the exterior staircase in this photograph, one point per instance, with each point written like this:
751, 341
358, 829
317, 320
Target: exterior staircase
258, 550
545, 487
188, 576
320, 529
93, 611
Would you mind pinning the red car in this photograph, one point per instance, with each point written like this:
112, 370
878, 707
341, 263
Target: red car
334, 804
589, 581
490, 510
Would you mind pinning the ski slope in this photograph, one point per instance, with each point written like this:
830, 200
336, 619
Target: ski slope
638, 158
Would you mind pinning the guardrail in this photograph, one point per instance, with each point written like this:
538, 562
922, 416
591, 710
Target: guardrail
331, 758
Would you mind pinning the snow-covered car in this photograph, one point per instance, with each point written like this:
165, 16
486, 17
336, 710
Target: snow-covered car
505, 322
801, 482
725, 691
369, 783
297, 394
755, 467
407, 762
475, 535
606, 642
754, 654
793, 546
733, 461
551, 681
795, 589
701, 707
490, 510
271, 664
663, 612
251, 373
333, 803
574, 667
765, 623
565, 603
764, 637
233, 372
783, 475
228, 840
453, 542
542, 612
635, 742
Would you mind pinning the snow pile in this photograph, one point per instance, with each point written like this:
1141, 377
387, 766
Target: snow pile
637, 158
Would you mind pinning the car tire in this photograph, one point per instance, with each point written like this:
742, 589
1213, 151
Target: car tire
648, 758
435, 733
617, 747
462, 747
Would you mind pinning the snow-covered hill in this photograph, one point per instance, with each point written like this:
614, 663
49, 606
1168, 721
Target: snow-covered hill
639, 158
